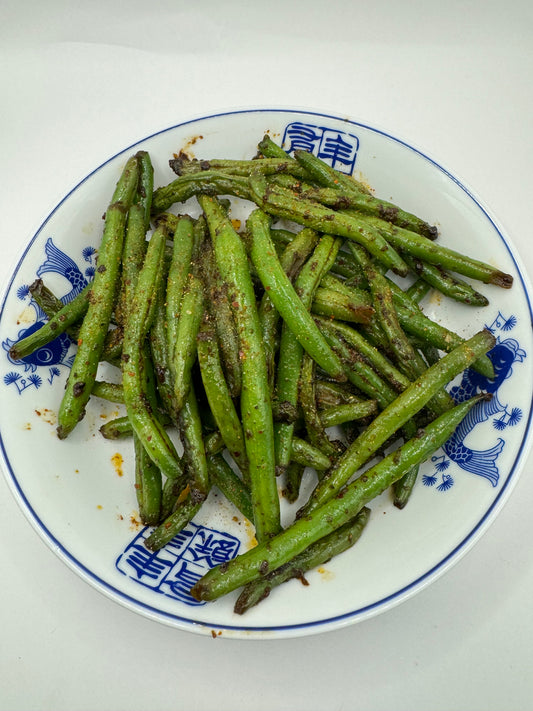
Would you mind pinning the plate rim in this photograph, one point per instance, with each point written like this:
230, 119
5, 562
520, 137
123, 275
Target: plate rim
309, 627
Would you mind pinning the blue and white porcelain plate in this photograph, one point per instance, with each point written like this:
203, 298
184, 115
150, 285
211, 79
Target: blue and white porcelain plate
79, 495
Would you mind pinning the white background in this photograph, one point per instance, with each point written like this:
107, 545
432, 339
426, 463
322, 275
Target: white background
82, 80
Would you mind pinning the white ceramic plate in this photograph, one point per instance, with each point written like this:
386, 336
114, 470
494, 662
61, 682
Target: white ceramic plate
79, 494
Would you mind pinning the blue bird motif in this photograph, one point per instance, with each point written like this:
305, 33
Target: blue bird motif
60, 263
483, 462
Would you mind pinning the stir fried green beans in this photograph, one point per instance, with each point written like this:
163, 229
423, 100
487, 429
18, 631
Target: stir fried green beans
400, 411
280, 202
317, 554
291, 350
355, 195
256, 410
242, 342
434, 253
95, 326
285, 298
69, 314
144, 420
182, 254
148, 485
291, 260
331, 515
218, 394
188, 325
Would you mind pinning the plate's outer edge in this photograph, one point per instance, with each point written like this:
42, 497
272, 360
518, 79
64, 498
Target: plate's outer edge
243, 631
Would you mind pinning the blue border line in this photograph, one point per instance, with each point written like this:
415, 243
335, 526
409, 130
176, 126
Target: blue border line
354, 614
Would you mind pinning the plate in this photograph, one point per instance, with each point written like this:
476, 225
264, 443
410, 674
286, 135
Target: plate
79, 495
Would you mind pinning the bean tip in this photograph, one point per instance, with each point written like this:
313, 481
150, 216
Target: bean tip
501, 279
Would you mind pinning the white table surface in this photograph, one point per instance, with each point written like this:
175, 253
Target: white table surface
81, 80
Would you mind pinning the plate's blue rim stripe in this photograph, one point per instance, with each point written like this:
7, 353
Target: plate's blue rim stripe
354, 614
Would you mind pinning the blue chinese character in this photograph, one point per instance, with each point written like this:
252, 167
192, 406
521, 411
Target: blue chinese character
146, 564
302, 136
336, 149
183, 578
173, 570
211, 549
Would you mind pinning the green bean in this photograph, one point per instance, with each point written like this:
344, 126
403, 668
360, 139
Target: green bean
348, 412
121, 427
340, 305
256, 409
418, 290
331, 515
206, 182
360, 372
408, 359
443, 281
143, 419
291, 351
308, 455
315, 169
194, 454
214, 444
328, 176
184, 355
282, 203
434, 334
293, 481
316, 554
434, 253
356, 195
108, 391
174, 523
291, 259
219, 306
332, 302
403, 488
182, 252
344, 264
69, 314
51, 305
148, 486
269, 149
49, 302
400, 411
133, 253
159, 349
117, 428
333, 394
233, 488
375, 358
182, 165
316, 430
145, 189
127, 185
218, 394
95, 324
285, 299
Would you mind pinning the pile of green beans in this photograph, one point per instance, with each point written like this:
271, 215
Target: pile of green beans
239, 349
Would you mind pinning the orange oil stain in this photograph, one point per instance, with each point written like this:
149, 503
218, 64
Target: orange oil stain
118, 460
